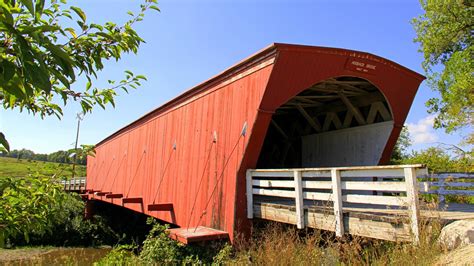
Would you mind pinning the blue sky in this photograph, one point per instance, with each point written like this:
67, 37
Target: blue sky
190, 41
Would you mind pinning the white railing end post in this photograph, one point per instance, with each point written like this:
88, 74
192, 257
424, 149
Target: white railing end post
299, 201
249, 190
413, 203
337, 201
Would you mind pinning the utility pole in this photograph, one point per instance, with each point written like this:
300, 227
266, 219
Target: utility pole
79, 117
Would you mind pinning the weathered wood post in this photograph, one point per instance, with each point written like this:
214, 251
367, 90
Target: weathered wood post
413, 204
337, 200
299, 199
249, 194
441, 183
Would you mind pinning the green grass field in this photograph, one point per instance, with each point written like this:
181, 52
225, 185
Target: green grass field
11, 167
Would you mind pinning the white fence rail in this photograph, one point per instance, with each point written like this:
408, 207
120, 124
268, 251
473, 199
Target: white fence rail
443, 184
354, 185
74, 184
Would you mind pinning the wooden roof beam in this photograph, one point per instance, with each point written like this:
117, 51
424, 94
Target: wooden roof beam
313, 122
307, 100
278, 128
347, 86
355, 111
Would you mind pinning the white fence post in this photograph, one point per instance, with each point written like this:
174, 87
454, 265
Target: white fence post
299, 199
249, 194
441, 180
412, 195
337, 199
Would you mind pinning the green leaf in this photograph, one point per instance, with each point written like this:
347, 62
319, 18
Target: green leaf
79, 12
8, 70
4, 142
7, 14
39, 8
29, 5
42, 28
155, 8
72, 31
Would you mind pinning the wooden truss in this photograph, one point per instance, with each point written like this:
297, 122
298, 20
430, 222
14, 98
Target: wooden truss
330, 105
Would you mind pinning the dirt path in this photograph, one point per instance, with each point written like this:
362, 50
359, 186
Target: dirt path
51, 256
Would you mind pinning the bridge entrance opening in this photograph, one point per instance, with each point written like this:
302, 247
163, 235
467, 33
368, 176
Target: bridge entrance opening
342, 121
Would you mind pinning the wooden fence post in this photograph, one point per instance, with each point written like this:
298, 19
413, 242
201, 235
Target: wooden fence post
249, 186
441, 180
412, 195
337, 200
299, 199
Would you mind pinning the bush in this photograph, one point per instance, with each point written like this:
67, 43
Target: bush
120, 255
36, 211
29, 205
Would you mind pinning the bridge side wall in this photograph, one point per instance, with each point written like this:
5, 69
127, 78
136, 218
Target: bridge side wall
198, 177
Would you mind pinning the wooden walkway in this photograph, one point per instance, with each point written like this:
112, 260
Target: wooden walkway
378, 202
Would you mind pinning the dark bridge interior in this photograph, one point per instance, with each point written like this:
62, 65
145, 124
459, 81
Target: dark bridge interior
331, 105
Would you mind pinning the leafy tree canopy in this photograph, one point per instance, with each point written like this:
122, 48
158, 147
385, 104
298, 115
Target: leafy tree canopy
45, 46
439, 160
445, 32
400, 151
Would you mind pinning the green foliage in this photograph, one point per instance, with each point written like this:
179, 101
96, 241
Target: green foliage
445, 34
4, 145
224, 255
159, 248
400, 151
36, 211
438, 160
58, 156
31, 204
120, 255
46, 47
11, 167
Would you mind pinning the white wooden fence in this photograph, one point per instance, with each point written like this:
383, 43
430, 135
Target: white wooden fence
443, 184
340, 185
74, 184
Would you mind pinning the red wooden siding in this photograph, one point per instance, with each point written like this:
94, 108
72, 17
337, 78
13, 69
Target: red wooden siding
205, 181
141, 162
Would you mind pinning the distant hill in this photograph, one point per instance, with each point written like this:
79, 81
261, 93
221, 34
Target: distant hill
12, 167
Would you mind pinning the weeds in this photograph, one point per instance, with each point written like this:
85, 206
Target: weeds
278, 244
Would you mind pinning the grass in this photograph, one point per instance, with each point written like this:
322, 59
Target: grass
11, 167
279, 244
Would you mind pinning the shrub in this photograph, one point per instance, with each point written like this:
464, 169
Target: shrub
36, 211
120, 255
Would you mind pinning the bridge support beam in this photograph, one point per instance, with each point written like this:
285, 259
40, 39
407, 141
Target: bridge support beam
160, 207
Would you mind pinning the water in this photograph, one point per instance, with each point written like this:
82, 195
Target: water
54, 256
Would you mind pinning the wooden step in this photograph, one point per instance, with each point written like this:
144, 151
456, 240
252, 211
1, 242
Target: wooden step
132, 200
102, 193
114, 196
160, 207
196, 234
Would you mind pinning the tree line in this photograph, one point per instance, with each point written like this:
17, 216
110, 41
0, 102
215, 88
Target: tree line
57, 157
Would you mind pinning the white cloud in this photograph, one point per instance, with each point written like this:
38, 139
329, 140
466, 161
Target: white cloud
422, 131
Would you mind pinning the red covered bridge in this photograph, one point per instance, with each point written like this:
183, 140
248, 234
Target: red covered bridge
287, 106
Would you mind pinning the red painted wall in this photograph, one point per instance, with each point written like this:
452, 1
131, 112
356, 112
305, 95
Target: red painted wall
205, 181
141, 161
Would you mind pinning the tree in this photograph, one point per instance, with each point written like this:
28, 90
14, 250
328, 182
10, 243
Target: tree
46, 46
445, 34
439, 160
400, 151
